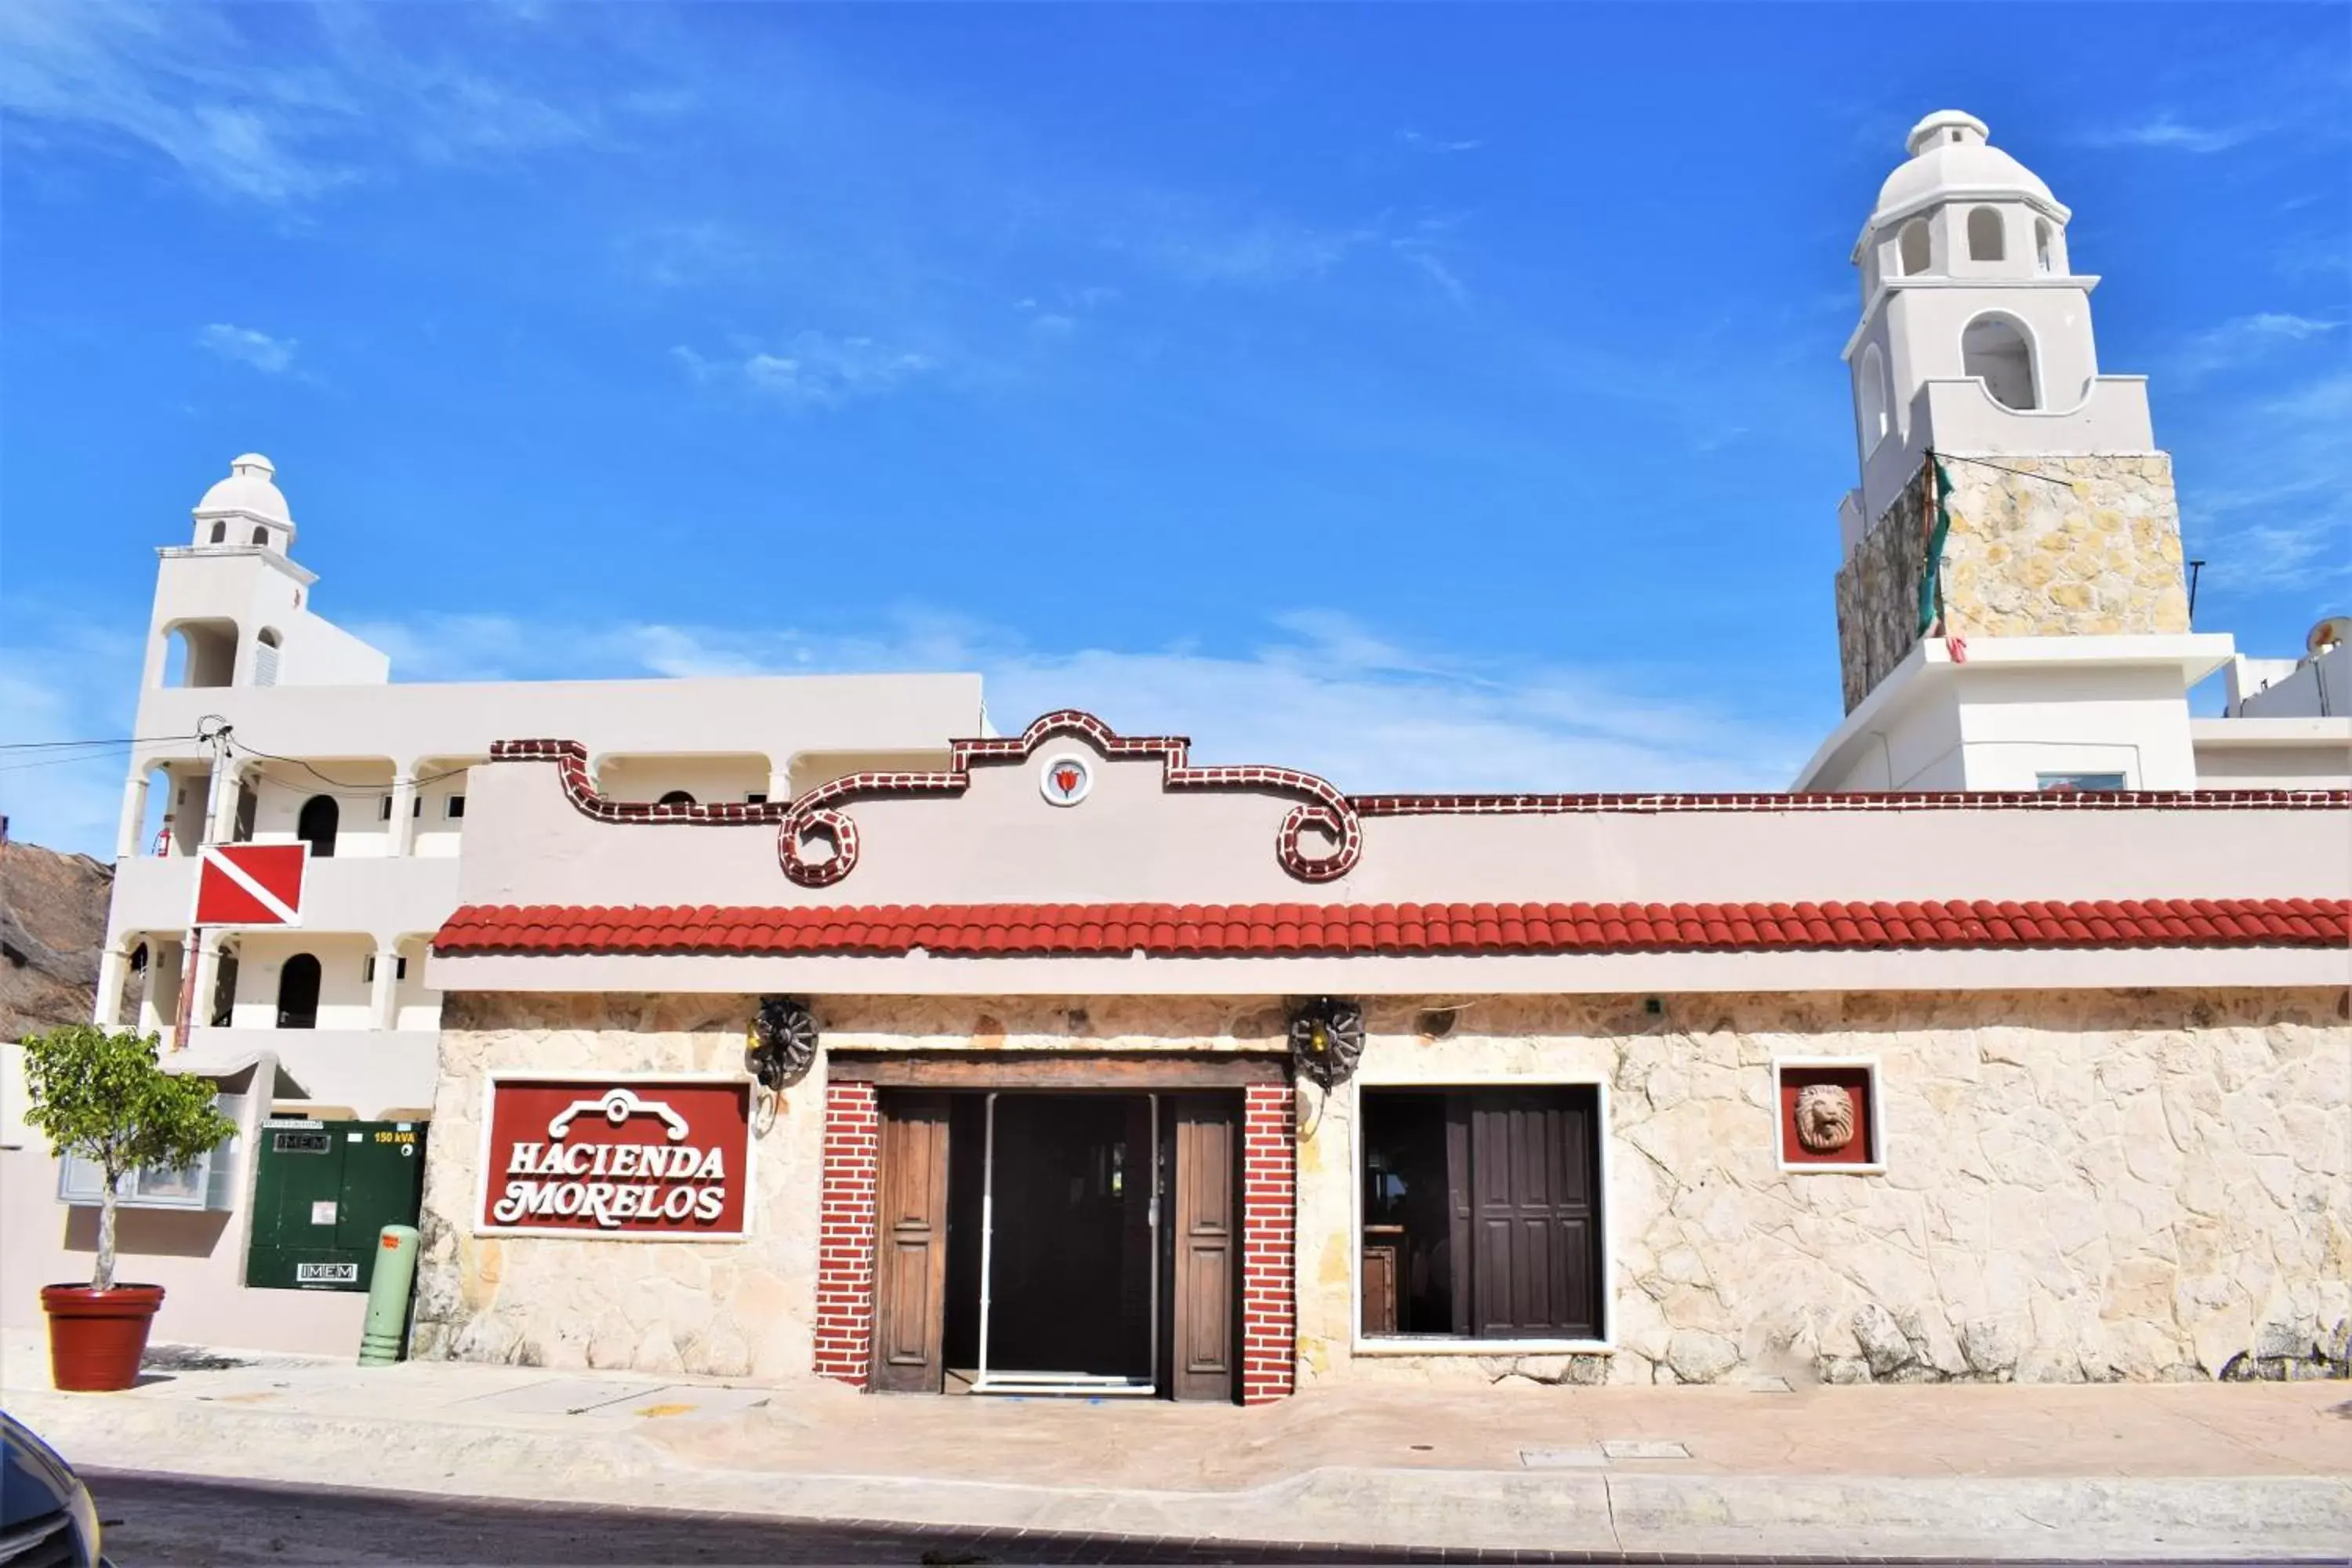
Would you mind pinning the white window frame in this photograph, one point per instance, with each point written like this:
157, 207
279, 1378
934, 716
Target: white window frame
1873, 1121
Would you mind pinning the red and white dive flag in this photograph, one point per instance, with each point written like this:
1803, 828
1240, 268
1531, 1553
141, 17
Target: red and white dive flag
250, 884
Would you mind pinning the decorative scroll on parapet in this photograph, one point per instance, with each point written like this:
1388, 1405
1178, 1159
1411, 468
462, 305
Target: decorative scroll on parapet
816, 815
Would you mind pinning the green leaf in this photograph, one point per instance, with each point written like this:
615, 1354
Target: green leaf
105, 1098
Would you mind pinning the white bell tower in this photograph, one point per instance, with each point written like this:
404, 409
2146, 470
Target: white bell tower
2057, 544
1975, 344
1975, 332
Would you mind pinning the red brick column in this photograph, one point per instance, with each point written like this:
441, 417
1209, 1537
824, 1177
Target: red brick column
845, 1251
1269, 1248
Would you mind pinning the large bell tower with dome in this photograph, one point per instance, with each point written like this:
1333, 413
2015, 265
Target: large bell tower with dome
1975, 350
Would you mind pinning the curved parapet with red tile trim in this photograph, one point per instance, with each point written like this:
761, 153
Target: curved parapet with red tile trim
817, 816
817, 840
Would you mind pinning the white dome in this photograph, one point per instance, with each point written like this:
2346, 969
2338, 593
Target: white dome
250, 491
1949, 157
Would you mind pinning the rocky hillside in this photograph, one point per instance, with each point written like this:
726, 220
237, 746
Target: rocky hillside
52, 924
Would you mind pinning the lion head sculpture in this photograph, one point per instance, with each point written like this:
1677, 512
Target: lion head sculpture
1824, 1117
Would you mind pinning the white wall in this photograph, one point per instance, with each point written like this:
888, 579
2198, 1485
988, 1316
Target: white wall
343, 1000
2018, 724
2301, 689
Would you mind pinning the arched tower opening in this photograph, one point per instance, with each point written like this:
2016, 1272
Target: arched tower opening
1995, 350
1914, 247
1870, 398
1986, 241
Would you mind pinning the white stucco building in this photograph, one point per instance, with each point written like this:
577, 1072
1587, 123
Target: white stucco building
2071, 960
321, 745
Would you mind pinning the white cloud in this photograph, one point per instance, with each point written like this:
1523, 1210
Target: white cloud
2278, 515
271, 356
811, 369
1425, 144
62, 680
2166, 131
2244, 339
274, 124
1322, 692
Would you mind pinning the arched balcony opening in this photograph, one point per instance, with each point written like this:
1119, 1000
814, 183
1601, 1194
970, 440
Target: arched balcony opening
201, 653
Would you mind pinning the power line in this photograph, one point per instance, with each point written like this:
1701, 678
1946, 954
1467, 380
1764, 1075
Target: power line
61, 745
360, 791
2000, 467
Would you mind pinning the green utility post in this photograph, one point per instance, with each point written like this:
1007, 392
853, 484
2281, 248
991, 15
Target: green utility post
387, 1308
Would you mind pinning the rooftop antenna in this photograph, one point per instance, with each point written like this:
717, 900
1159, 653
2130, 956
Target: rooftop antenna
2194, 568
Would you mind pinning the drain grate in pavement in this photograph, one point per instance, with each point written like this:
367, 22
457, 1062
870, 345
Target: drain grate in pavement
1644, 1448
1562, 1459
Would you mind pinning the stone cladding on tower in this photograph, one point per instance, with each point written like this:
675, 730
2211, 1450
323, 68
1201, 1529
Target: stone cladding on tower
2038, 546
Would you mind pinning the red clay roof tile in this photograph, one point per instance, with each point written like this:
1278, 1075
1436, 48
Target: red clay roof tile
1343, 930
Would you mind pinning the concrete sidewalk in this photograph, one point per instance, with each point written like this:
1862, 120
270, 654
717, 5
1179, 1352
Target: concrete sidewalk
2033, 1472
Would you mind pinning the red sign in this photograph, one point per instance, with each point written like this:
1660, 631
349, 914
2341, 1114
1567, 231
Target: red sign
639, 1157
250, 884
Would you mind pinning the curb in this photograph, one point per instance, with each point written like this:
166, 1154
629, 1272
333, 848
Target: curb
2039, 1519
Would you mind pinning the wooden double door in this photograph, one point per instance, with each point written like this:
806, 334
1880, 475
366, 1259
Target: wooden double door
1482, 1212
1040, 1242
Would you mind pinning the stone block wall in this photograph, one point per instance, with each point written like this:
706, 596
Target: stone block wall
2090, 547
723, 1308
794, 1299
2077, 1186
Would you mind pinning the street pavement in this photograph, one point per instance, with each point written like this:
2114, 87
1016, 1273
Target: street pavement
164, 1521
2010, 1473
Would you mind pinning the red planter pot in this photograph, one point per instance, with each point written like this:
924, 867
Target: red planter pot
96, 1337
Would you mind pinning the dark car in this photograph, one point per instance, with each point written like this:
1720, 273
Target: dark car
46, 1520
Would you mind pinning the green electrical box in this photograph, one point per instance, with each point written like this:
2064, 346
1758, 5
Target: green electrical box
322, 1193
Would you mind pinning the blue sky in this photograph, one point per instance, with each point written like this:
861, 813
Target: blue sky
1435, 397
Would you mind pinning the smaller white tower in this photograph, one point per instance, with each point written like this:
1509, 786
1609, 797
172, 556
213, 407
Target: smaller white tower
237, 602
246, 509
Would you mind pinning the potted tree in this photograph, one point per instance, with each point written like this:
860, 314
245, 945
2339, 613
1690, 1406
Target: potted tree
103, 1096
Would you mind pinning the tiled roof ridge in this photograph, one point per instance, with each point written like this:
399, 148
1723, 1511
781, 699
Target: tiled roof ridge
1165, 929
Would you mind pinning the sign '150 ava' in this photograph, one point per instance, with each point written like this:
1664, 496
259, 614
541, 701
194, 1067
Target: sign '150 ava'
654, 1158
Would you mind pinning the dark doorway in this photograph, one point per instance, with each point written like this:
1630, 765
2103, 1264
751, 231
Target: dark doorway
316, 825
1408, 1217
298, 993
1070, 1253
1077, 1242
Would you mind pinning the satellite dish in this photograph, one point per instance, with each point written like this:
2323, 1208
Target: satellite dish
2335, 629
